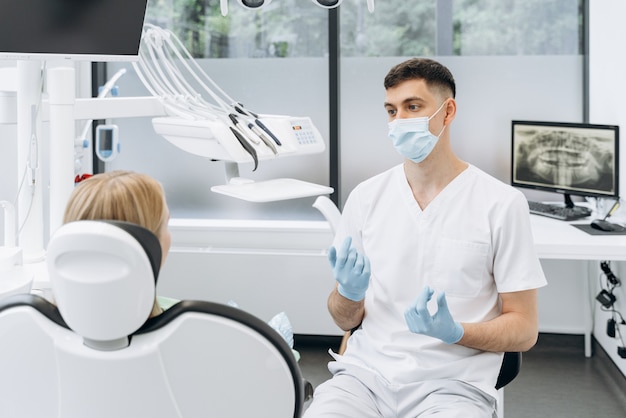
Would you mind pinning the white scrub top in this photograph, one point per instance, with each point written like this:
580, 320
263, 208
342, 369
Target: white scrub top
472, 241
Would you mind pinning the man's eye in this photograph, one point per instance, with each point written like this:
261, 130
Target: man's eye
413, 107
391, 112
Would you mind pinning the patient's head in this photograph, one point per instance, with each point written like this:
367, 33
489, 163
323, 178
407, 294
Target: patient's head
123, 196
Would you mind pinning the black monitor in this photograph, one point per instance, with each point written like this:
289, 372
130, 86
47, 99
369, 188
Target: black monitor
569, 158
90, 30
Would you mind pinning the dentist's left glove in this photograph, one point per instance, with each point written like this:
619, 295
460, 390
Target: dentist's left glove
441, 325
351, 270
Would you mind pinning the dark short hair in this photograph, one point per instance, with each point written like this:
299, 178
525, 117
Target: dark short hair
432, 72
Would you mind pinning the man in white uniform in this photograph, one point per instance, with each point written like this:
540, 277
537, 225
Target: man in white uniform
435, 265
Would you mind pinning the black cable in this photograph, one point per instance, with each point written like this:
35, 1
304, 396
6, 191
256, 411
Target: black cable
612, 281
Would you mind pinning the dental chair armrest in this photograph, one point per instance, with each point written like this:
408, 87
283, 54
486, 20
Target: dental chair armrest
37, 302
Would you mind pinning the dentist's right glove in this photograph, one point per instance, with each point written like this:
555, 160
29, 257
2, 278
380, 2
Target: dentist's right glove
351, 270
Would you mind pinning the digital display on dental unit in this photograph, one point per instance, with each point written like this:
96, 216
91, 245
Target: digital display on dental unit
571, 158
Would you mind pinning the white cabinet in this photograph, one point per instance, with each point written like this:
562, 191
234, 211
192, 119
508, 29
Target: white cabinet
264, 266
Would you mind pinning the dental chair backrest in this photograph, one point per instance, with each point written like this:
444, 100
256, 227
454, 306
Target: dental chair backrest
103, 276
98, 354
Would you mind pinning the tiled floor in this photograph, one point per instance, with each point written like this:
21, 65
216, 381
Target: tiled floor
556, 379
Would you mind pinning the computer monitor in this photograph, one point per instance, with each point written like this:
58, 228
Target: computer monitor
569, 158
88, 30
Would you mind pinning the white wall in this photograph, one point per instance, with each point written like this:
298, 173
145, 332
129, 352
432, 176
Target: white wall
607, 86
560, 302
264, 266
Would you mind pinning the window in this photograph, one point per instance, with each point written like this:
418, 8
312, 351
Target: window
396, 28
514, 27
284, 28
470, 27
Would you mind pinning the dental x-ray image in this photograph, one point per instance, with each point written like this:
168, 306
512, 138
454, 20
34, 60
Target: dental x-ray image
577, 158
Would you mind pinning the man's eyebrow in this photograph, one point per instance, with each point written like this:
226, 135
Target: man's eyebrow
407, 100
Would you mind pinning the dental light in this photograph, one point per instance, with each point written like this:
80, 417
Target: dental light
331, 4
256, 4
327, 4
247, 4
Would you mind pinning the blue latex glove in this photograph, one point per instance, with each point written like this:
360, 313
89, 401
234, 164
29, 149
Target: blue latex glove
351, 270
441, 325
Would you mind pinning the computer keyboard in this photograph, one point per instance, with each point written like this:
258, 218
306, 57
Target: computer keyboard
559, 212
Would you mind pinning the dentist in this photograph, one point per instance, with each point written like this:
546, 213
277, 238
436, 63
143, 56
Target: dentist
435, 267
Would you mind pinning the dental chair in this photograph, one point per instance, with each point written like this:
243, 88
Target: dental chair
511, 362
96, 353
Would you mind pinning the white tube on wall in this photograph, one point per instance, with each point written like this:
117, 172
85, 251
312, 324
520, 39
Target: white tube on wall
62, 95
30, 200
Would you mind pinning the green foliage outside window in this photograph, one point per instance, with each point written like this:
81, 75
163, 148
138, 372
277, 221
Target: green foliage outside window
283, 29
515, 27
299, 28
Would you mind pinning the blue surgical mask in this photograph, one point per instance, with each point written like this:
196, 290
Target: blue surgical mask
412, 138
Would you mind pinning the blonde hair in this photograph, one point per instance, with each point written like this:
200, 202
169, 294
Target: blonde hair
121, 196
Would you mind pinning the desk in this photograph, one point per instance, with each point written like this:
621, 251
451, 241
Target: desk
559, 240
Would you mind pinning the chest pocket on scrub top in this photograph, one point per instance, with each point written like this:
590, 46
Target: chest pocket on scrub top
461, 268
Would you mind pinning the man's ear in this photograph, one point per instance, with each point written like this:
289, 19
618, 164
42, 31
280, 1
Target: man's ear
450, 111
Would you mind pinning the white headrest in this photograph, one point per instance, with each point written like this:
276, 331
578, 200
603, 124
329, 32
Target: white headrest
102, 278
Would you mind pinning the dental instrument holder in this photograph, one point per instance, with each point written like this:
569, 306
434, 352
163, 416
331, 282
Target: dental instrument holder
212, 139
211, 124
297, 136
203, 138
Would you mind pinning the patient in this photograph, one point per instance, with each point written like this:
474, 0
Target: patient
140, 199
123, 196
